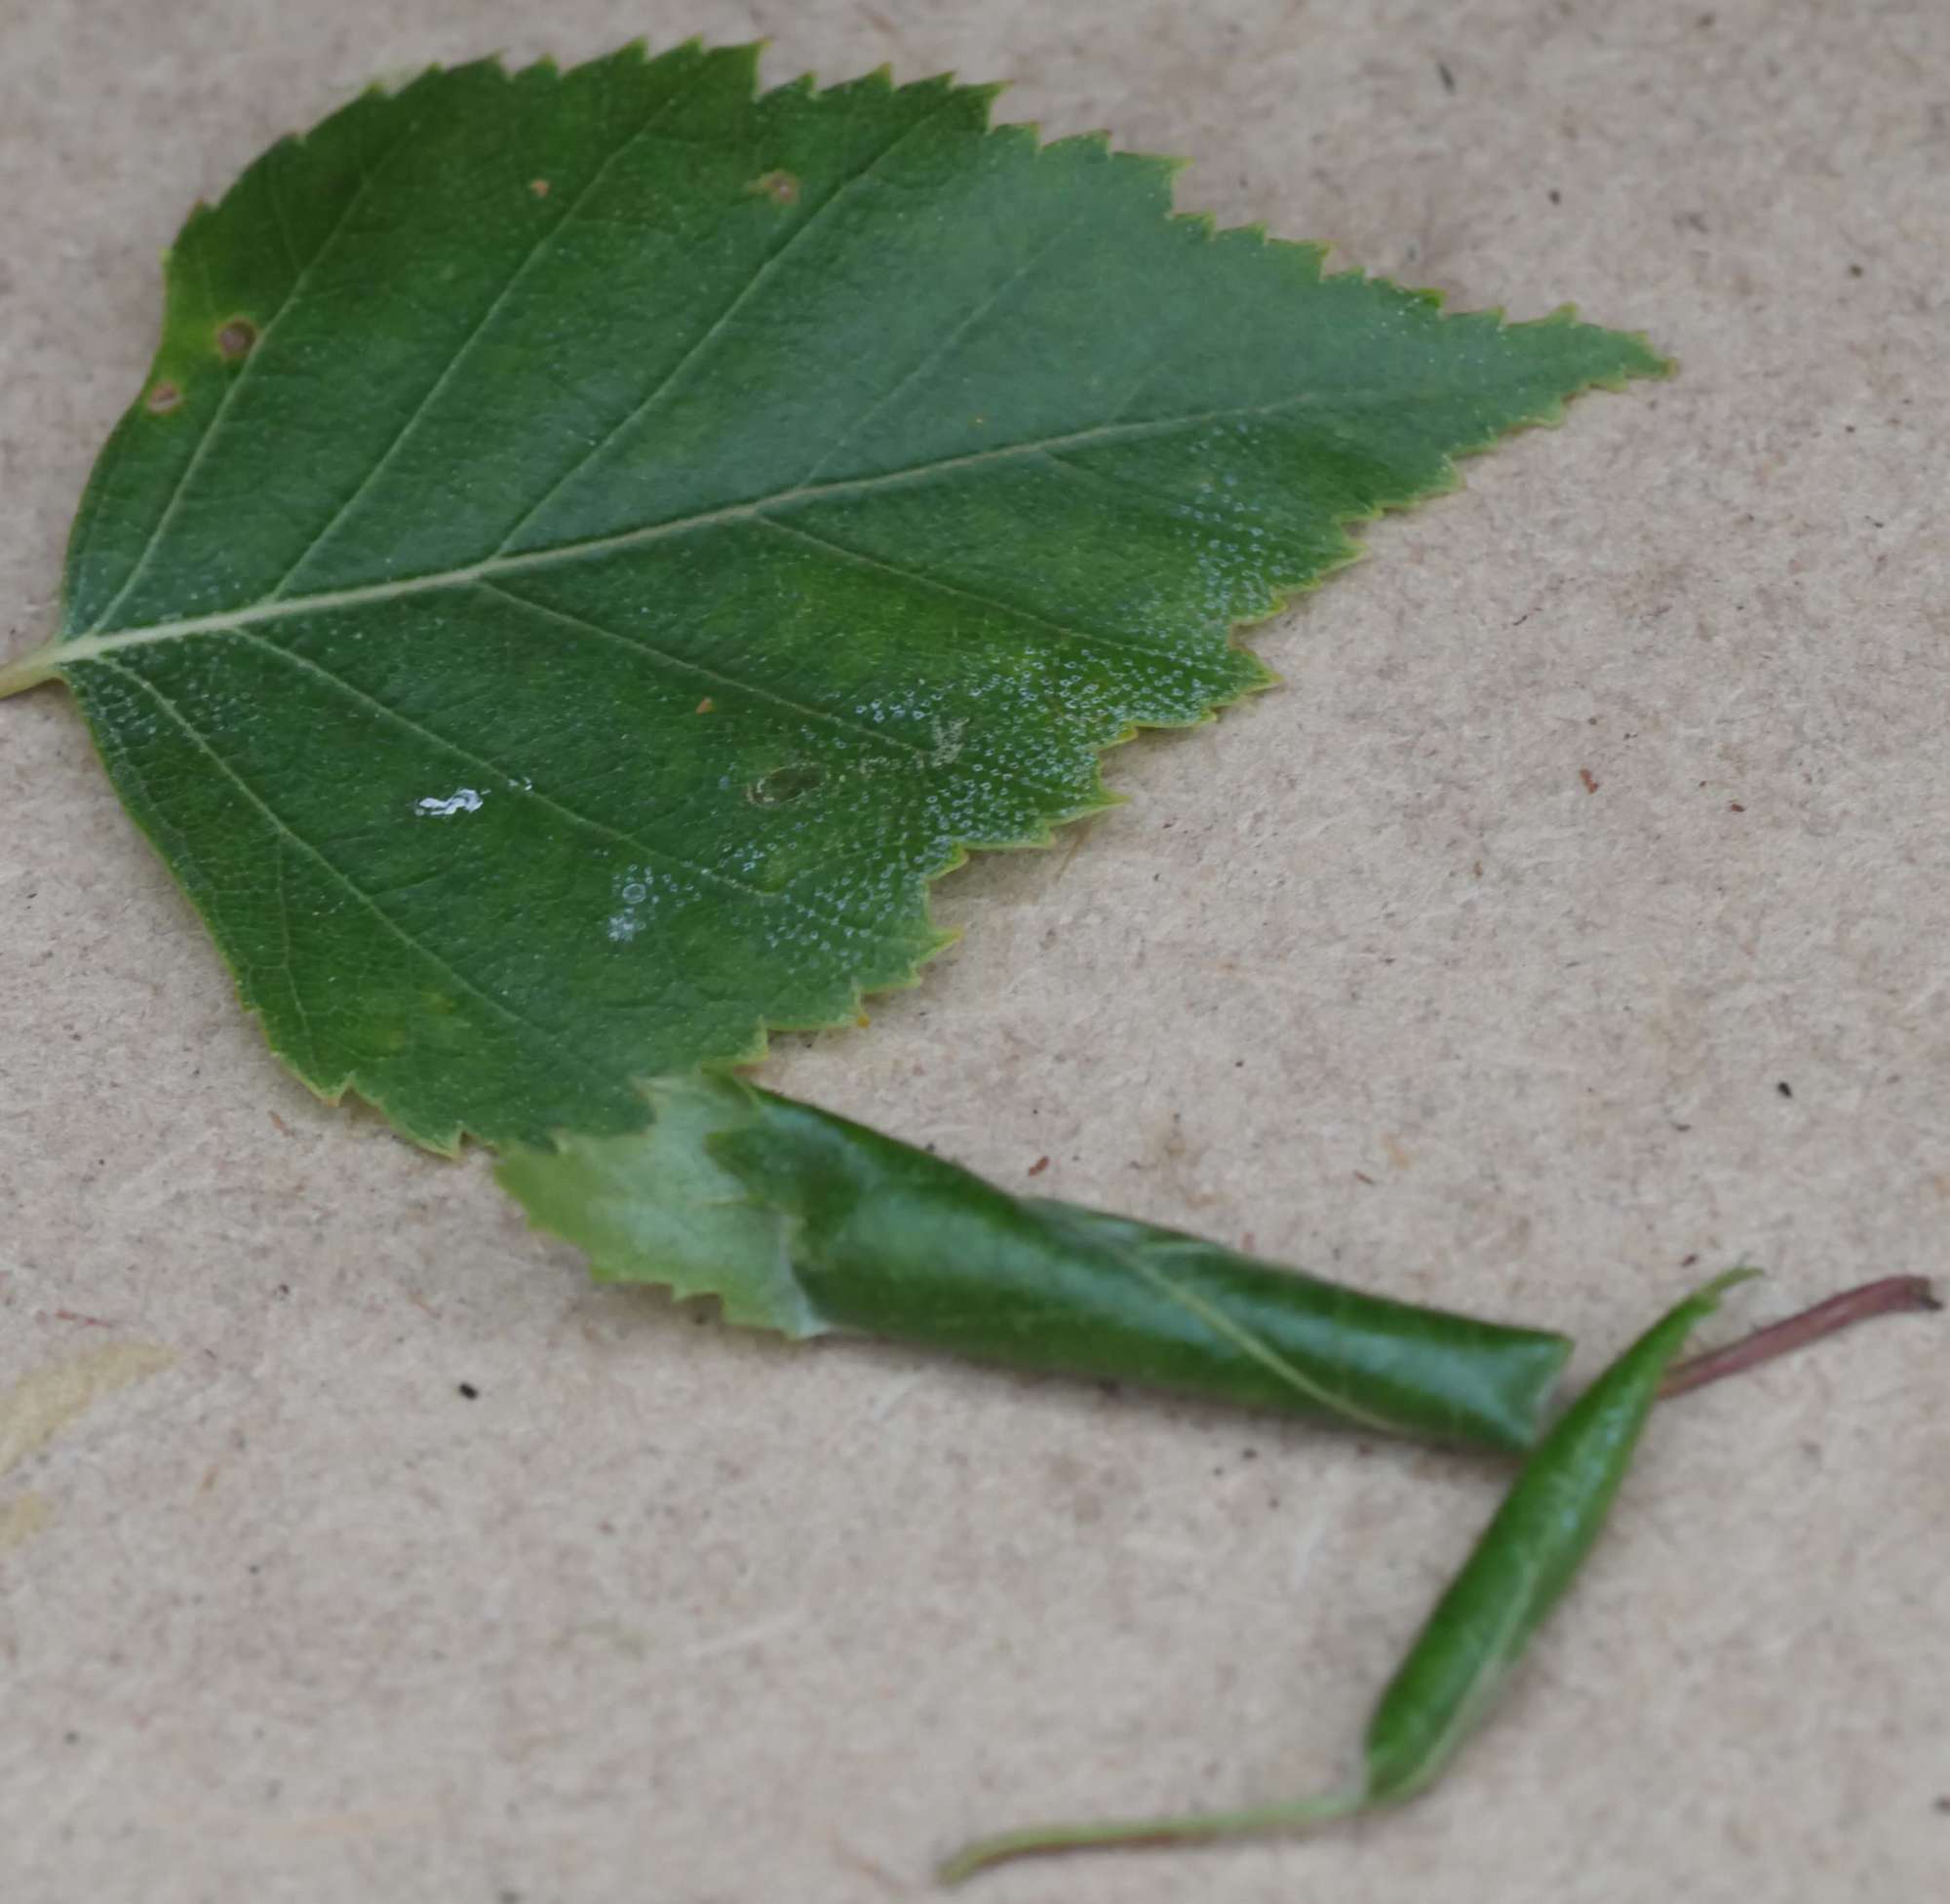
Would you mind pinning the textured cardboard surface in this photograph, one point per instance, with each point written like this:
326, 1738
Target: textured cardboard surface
671, 1614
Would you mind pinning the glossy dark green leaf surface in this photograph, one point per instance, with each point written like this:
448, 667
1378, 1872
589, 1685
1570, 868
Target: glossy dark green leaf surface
1447, 1682
593, 545
804, 1221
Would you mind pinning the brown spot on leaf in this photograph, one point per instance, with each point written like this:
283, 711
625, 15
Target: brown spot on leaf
162, 398
781, 187
236, 339
706, 705
539, 187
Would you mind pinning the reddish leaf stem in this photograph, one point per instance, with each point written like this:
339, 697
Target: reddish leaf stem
1890, 1296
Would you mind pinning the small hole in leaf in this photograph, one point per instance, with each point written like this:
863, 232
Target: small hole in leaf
784, 785
235, 340
162, 398
781, 187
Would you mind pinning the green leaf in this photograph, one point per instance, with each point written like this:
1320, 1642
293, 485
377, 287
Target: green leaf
593, 545
1523, 1563
1518, 1570
804, 1221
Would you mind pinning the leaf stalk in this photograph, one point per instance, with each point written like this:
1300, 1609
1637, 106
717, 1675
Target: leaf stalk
1038, 1840
27, 671
1889, 1296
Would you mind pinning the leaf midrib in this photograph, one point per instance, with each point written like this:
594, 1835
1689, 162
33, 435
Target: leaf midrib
82, 647
1248, 1341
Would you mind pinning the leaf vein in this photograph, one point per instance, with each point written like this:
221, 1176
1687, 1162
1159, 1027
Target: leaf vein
1255, 1346
948, 344
716, 327
85, 647
716, 677
284, 830
420, 731
921, 578
214, 426
537, 250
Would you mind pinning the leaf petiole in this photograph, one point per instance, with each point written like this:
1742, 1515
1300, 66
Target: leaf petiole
1889, 1296
27, 669
1253, 1821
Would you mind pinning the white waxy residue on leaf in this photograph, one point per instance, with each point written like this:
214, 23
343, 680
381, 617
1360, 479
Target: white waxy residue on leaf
463, 799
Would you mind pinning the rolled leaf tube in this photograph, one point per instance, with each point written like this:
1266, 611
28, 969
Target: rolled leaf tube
805, 1222
1446, 1686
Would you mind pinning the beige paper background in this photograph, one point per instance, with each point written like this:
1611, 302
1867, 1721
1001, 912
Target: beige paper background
674, 1616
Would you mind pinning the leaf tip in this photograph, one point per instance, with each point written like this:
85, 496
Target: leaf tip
984, 94
745, 55
1727, 1279
1639, 356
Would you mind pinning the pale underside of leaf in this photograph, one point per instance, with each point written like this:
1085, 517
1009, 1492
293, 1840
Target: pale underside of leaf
594, 545
653, 1206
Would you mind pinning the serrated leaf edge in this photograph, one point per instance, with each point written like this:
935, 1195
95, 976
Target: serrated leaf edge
54, 656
